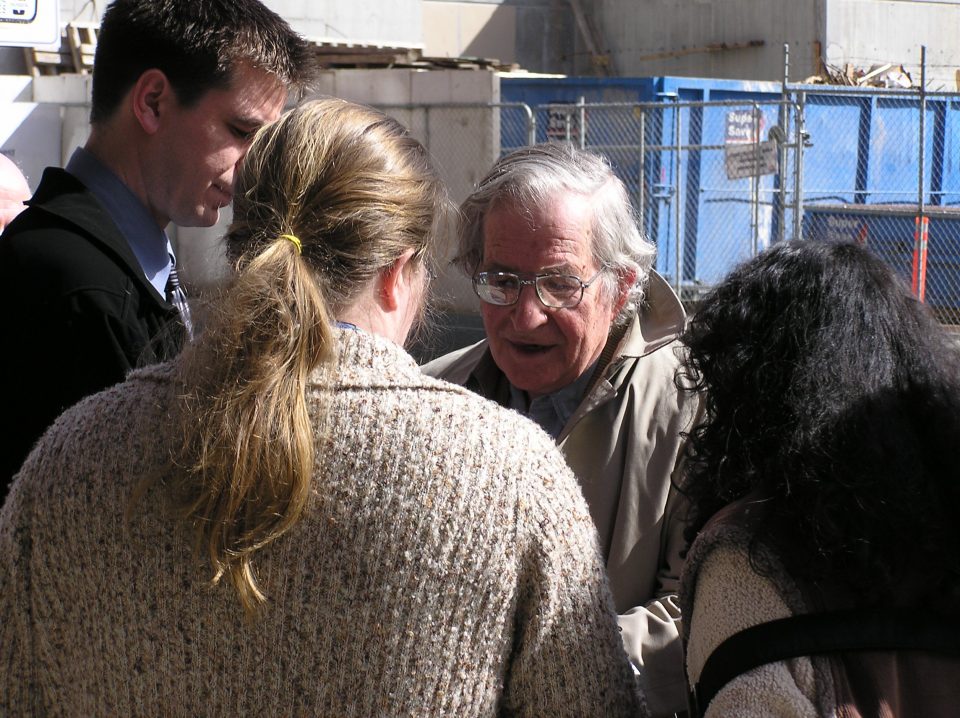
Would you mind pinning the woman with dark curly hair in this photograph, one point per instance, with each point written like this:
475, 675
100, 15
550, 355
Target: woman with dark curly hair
823, 478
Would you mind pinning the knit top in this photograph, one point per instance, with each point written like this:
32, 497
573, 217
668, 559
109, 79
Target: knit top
446, 564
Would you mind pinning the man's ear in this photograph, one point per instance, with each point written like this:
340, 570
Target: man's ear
150, 95
394, 281
626, 278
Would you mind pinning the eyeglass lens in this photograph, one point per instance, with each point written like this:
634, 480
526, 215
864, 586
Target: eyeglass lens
554, 290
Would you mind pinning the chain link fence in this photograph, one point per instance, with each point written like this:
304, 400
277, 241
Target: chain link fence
703, 176
883, 168
714, 183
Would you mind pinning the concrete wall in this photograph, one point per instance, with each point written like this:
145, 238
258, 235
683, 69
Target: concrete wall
867, 32
393, 23
30, 130
396, 22
470, 29
664, 37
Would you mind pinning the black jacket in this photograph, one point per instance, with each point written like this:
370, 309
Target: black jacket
78, 312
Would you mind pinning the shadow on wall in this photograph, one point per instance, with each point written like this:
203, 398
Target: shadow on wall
537, 35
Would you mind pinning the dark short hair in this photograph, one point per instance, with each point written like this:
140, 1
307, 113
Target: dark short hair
197, 44
832, 401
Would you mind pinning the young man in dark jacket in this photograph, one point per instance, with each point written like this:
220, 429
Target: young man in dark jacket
87, 274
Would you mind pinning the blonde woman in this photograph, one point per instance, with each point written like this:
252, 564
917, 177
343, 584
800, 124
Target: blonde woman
290, 518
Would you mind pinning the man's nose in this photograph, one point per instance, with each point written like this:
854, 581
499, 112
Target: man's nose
242, 152
529, 312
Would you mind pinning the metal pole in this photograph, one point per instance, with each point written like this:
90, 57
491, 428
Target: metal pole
923, 118
426, 125
755, 183
641, 189
582, 104
801, 145
531, 125
783, 120
679, 262
920, 234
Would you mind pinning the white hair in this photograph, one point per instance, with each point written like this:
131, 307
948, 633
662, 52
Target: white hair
533, 177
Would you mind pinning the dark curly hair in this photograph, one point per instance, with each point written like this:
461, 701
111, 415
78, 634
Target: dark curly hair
832, 397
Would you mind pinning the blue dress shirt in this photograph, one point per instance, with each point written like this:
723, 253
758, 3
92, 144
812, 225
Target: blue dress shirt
149, 242
552, 411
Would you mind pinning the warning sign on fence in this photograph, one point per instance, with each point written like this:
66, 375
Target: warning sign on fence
751, 160
745, 154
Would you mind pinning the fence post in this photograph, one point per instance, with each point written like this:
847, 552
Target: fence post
801, 144
755, 185
919, 274
921, 223
531, 124
642, 178
582, 105
678, 209
783, 120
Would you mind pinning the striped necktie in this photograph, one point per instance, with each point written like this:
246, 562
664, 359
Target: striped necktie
177, 297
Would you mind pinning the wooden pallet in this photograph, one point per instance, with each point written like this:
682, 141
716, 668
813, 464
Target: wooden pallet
332, 55
353, 55
49, 62
78, 44
82, 37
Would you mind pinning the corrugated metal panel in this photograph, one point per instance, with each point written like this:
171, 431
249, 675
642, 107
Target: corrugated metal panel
664, 37
711, 38
396, 23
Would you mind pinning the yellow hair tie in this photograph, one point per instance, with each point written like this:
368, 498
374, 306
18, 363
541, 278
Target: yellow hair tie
295, 240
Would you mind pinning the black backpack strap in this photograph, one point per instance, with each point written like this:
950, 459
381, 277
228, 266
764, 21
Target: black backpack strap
819, 633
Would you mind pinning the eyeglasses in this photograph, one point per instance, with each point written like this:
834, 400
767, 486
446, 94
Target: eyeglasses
559, 291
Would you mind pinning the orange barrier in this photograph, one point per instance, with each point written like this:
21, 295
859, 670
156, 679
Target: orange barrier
921, 234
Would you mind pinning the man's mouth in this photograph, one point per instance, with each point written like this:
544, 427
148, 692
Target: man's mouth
530, 348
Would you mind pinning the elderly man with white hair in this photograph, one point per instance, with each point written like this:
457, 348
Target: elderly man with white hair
14, 191
581, 336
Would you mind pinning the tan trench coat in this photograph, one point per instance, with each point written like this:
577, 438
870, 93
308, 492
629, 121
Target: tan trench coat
623, 442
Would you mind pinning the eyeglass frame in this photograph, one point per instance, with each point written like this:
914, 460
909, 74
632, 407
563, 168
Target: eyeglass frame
534, 281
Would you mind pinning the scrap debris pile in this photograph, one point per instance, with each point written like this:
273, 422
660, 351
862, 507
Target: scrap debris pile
885, 75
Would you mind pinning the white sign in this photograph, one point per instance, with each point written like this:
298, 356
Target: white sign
743, 126
30, 23
751, 160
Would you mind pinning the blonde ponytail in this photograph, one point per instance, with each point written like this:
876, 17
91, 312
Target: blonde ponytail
248, 451
326, 198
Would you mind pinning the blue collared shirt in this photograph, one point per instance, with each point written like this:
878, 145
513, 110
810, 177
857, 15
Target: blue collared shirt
552, 411
149, 242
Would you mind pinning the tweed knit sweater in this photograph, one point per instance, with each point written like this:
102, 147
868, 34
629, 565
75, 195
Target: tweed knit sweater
446, 565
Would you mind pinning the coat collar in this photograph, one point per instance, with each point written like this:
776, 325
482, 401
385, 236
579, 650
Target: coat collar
661, 319
64, 196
